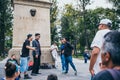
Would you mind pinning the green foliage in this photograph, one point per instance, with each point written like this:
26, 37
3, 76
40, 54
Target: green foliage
5, 23
68, 22
72, 23
116, 3
53, 18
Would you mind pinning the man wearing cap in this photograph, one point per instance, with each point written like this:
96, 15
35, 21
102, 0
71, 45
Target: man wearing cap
104, 28
25, 55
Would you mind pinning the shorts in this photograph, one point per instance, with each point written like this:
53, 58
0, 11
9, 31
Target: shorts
23, 64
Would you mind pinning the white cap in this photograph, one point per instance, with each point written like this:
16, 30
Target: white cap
106, 22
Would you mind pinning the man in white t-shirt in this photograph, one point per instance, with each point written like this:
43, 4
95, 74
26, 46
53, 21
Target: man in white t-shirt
54, 50
97, 43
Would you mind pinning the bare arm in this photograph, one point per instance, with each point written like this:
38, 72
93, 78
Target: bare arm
93, 59
29, 47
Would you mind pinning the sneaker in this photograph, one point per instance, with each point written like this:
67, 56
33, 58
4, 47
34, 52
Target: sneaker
38, 73
33, 74
75, 73
65, 72
27, 77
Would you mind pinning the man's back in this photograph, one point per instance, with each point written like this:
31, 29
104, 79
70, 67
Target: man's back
68, 49
25, 51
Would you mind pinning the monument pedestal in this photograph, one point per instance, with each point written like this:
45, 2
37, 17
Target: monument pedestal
30, 17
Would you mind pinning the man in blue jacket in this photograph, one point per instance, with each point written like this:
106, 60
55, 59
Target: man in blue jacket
36, 55
62, 56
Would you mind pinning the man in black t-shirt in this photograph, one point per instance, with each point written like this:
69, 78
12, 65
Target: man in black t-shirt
110, 55
25, 55
68, 49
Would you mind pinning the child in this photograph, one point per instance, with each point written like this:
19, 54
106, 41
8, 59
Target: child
14, 61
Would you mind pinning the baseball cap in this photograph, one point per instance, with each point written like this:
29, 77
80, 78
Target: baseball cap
107, 22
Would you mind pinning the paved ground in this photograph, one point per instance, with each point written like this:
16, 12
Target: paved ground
83, 73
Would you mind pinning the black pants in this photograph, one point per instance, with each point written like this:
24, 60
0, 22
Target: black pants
36, 64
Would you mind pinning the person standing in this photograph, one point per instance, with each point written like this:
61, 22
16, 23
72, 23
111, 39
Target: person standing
110, 55
85, 56
68, 49
36, 55
25, 56
54, 50
104, 28
62, 56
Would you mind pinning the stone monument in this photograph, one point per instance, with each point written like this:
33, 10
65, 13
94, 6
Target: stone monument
32, 16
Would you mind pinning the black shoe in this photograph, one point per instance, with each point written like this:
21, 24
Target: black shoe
19, 76
27, 77
38, 73
65, 72
75, 73
33, 74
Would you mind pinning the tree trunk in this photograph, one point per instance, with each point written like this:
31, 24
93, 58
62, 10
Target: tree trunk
2, 34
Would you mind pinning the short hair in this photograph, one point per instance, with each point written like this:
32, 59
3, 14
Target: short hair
52, 77
37, 34
29, 35
66, 39
112, 46
10, 69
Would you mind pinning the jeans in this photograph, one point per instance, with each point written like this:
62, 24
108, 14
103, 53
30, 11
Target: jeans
63, 62
85, 59
23, 64
69, 60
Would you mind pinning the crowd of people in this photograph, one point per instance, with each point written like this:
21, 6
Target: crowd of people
104, 62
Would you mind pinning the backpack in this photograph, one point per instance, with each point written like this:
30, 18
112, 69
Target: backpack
114, 73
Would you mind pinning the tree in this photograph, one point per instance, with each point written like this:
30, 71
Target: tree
116, 3
68, 22
53, 18
5, 22
93, 18
84, 3
72, 23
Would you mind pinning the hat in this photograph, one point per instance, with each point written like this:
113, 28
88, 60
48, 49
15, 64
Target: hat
106, 22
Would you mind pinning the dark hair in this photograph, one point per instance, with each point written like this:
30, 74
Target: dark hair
37, 34
66, 39
61, 38
52, 77
112, 46
10, 69
29, 35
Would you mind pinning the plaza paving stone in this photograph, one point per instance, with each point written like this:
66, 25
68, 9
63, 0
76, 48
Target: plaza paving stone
82, 69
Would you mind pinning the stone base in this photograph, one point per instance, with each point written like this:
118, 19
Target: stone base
45, 56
